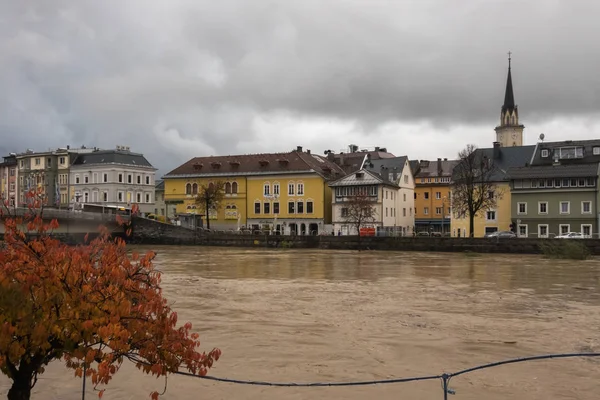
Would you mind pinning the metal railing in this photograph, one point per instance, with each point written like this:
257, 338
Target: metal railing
53, 213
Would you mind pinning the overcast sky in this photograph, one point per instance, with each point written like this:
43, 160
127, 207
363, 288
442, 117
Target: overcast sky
175, 79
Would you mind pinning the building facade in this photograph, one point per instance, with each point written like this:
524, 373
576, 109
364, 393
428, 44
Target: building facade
398, 171
39, 171
275, 192
9, 180
113, 178
383, 195
433, 195
557, 192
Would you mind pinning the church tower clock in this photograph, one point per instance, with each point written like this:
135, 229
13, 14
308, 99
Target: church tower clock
509, 132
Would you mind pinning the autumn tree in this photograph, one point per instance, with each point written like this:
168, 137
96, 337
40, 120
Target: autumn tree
474, 190
359, 210
91, 306
209, 198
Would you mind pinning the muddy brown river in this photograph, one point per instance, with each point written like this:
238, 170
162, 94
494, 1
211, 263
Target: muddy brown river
341, 316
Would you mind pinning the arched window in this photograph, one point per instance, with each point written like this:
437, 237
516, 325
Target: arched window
234, 187
188, 188
233, 207
228, 187
195, 188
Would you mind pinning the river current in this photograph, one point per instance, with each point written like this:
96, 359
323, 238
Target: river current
325, 316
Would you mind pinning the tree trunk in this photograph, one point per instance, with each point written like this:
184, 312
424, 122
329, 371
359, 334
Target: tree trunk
471, 225
207, 215
21, 388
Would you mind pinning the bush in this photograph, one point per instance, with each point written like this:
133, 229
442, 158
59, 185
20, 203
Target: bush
565, 249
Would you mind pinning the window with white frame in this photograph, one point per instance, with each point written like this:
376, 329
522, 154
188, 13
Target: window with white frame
426, 211
139, 179
276, 189
490, 215
104, 196
267, 189
105, 177
586, 207
426, 195
521, 208
138, 197
543, 207
564, 228
129, 178
523, 230
300, 191
148, 199
543, 230
120, 196
586, 230
147, 179
120, 178
86, 179
544, 153
565, 207
257, 207
291, 187
438, 210
300, 207
76, 178
438, 195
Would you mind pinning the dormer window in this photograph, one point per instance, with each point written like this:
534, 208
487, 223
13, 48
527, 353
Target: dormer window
215, 164
544, 153
360, 174
234, 164
283, 161
197, 166
263, 163
570, 152
596, 151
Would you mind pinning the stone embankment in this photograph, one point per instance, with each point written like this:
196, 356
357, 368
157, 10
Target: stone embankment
153, 232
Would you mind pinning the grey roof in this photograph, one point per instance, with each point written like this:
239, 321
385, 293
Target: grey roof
588, 155
350, 162
505, 158
393, 163
362, 177
554, 171
121, 157
425, 168
160, 186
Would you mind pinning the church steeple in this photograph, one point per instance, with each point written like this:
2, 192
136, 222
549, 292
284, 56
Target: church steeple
509, 97
509, 132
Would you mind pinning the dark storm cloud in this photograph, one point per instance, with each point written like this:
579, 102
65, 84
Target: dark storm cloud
178, 78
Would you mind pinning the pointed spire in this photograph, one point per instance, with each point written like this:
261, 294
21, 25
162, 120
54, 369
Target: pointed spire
509, 98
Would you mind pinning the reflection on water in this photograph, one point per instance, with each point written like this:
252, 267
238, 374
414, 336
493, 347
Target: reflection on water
305, 316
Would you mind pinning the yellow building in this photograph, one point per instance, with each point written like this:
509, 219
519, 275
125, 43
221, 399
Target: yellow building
432, 195
284, 192
497, 218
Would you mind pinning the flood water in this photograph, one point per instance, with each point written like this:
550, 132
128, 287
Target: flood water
329, 316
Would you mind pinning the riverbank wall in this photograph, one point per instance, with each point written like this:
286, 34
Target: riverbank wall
150, 232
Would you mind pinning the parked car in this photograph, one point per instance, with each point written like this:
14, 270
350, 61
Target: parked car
570, 235
501, 235
422, 233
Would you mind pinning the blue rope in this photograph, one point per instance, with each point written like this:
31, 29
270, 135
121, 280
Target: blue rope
445, 377
523, 359
311, 384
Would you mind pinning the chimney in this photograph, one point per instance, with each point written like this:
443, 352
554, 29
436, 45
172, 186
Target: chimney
68, 147
307, 151
496, 150
376, 148
299, 149
439, 166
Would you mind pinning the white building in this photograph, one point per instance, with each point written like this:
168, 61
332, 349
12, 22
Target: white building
390, 200
113, 178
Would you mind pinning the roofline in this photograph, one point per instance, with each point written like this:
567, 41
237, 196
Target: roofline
113, 163
373, 174
250, 173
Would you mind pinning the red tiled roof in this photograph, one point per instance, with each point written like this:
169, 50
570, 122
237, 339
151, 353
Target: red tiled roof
258, 164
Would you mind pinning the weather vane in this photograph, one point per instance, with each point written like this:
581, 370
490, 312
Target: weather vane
509, 54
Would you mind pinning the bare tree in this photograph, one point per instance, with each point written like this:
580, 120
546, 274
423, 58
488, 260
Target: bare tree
473, 190
359, 210
209, 198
